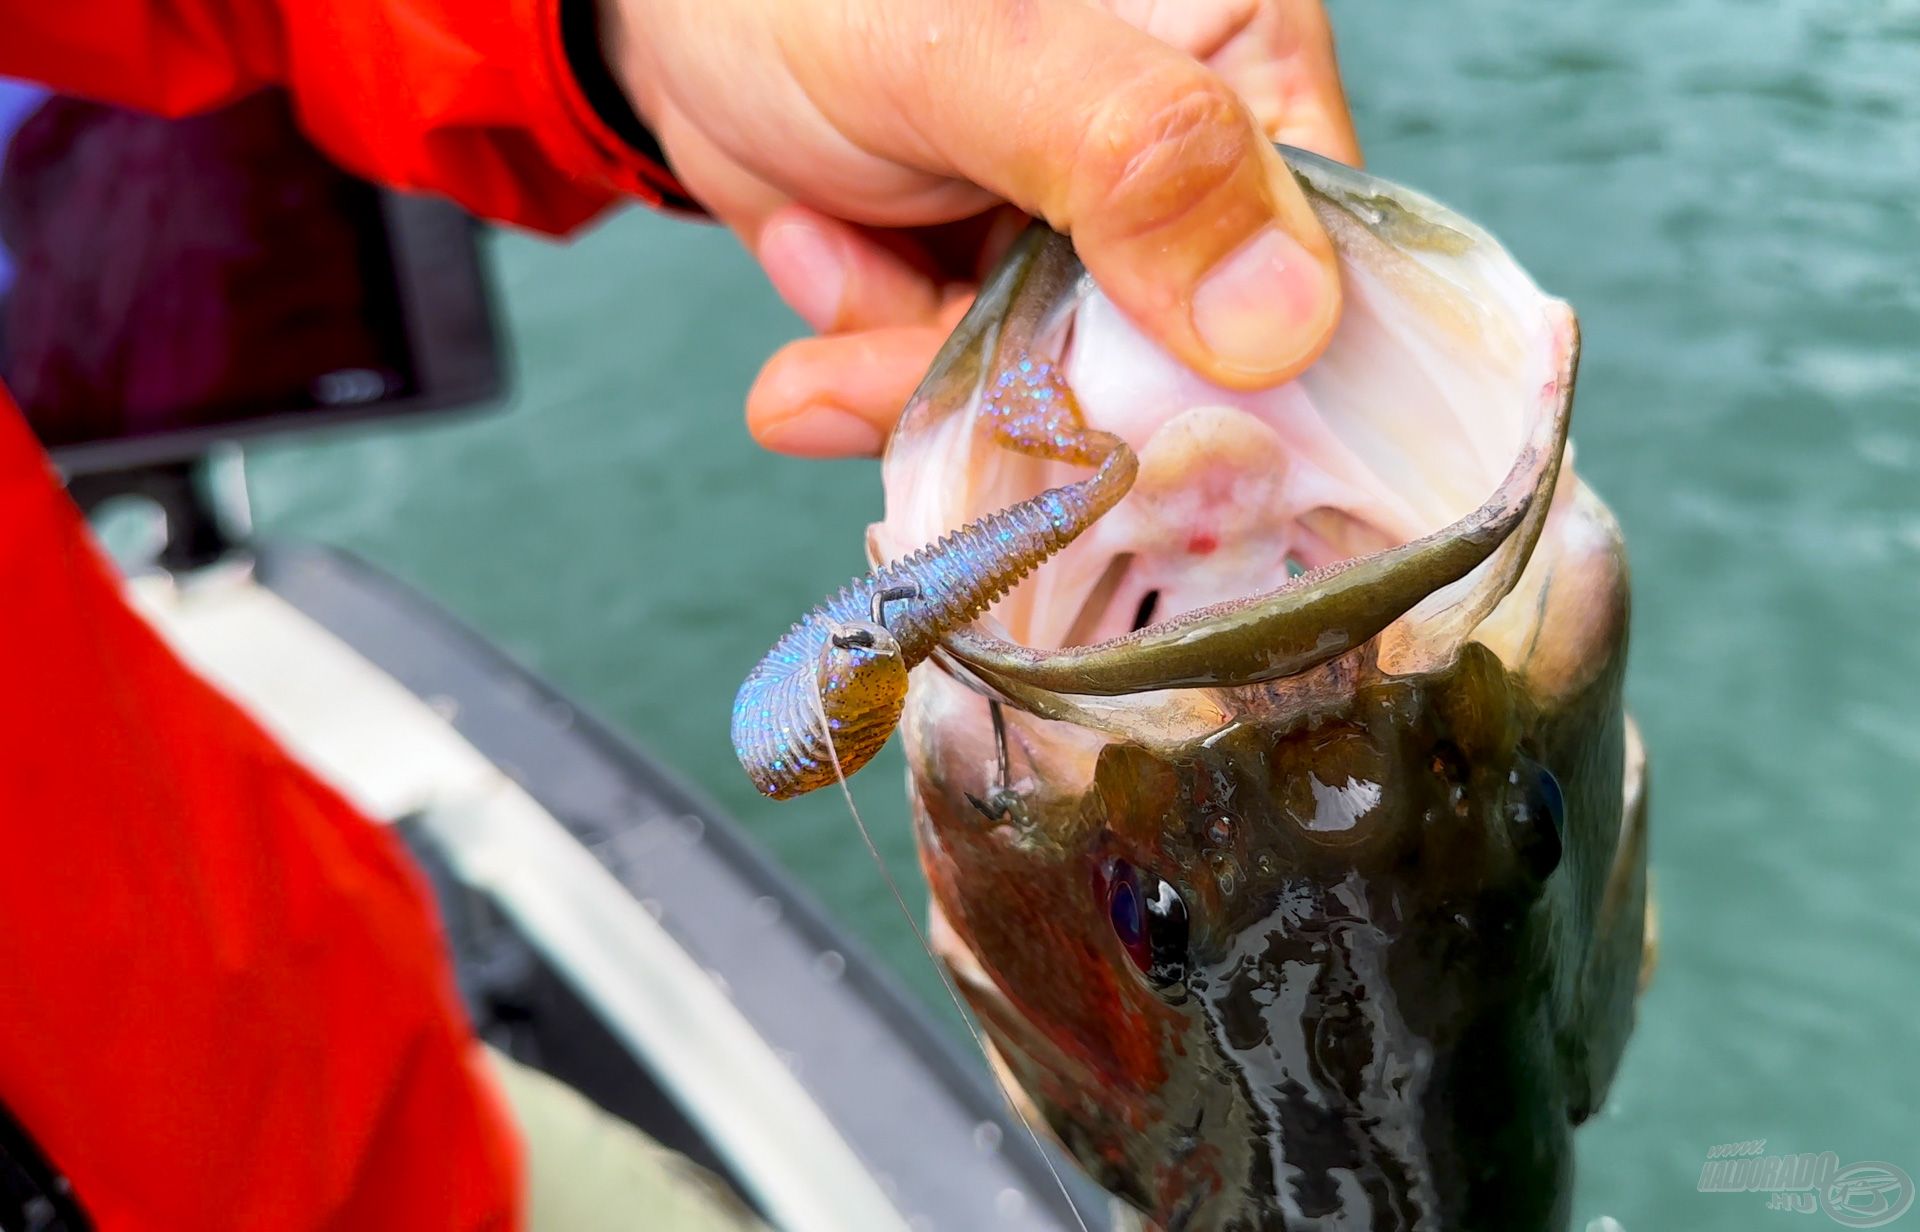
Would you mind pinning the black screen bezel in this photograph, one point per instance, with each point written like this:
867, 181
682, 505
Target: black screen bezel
451, 330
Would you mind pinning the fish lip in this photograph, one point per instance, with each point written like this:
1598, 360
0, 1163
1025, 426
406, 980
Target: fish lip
1210, 647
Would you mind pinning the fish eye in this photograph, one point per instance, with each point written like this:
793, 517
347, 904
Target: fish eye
1539, 818
1149, 920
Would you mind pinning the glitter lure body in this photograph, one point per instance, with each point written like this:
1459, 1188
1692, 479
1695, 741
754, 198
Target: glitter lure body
843, 667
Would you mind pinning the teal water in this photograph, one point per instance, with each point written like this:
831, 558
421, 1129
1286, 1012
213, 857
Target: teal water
1726, 191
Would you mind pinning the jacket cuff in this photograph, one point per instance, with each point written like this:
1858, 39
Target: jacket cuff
608, 136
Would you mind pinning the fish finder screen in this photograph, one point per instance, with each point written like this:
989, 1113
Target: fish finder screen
165, 275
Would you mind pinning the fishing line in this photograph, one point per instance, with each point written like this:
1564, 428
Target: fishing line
946, 981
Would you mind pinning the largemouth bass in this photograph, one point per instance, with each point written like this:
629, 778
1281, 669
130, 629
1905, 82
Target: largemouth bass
1284, 825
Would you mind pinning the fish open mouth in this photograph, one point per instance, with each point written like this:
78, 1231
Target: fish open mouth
1394, 490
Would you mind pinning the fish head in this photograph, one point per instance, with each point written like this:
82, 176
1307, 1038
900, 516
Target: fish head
1297, 974
1282, 831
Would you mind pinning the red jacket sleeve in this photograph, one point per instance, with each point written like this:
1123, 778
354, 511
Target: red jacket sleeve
472, 99
224, 1003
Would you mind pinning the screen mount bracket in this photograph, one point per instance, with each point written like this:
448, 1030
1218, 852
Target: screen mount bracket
203, 501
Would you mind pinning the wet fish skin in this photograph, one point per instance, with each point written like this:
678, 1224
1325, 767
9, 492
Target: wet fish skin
1396, 1025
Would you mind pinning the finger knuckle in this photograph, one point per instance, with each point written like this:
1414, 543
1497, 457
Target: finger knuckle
1154, 154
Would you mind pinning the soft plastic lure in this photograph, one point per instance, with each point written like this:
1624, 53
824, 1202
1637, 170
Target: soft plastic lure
846, 662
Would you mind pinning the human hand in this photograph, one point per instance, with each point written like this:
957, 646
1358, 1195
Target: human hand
878, 156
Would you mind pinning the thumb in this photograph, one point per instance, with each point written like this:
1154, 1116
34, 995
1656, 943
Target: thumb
1193, 224
1177, 203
